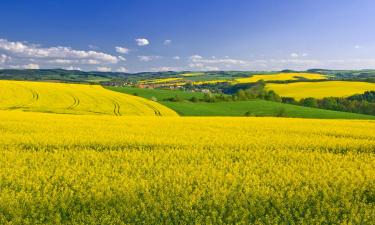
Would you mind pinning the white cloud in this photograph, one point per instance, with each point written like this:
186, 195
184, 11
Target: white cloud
358, 46
166, 68
122, 50
31, 66
196, 65
298, 55
142, 41
177, 57
147, 58
121, 58
4, 58
61, 61
214, 60
122, 70
167, 42
104, 69
94, 47
25, 50
91, 62
72, 68
195, 57
294, 55
201, 66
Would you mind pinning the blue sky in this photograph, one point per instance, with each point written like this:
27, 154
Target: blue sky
159, 35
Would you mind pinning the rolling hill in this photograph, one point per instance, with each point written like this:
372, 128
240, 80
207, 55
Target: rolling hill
75, 99
282, 77
323, 89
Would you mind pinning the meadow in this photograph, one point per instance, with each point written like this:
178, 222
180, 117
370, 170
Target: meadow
89, 169
318, 90
258, 108
74, 99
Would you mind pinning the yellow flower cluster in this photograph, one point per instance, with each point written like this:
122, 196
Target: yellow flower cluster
87, 169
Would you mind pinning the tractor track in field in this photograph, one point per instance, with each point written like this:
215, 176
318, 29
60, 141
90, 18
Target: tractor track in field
34, 98
156, 111
116, 109
75, 103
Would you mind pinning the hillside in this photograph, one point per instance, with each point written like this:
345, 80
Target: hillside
282, 77
300, 90
258, 108
238, 108
74, 99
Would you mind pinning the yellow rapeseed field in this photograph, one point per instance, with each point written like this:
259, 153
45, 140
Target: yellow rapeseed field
74, 99
192, 74
281, 77
300, 90
89, 169
161, 80
210, 82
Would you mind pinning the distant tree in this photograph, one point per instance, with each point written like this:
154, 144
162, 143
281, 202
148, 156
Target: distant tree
289, 100
309, 102
281, 112
328, 103
272, 96
176, 98
194, 99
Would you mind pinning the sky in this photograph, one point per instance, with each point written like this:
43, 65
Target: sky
187, 35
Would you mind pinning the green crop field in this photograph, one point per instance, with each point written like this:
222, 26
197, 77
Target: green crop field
258, 108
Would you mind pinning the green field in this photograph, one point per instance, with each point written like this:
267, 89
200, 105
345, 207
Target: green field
257, 108
238, 108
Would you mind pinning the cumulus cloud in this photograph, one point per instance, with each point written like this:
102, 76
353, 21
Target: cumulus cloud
94, 47
4, 58
201, 66
122, 50
61, 61
167, 42
294, 55
297, 55
166, 68
104, 69
142, 41
32, 66
121, 58
71, 68
195, 57
214, 60
122, 70
25, 50
147, 58
177, 57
